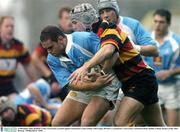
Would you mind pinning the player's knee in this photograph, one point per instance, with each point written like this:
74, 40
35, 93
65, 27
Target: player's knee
57, 122
86, 121
54, 122
120, 121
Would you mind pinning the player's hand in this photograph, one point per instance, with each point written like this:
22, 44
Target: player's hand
79, 74
163, 75
55, 88
104, 80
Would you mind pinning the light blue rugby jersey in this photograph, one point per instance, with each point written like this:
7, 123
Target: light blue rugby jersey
81, 46
136, 31
169, 56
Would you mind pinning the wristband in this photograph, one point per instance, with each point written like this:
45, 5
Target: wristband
138, 48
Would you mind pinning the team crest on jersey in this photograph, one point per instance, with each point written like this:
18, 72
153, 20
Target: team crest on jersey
158, 61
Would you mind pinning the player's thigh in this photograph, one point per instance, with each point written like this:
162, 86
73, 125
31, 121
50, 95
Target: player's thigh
95, 110
172, 117
128, 109
152, 115
70, 111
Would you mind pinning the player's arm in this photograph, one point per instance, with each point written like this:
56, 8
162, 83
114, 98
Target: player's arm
164, 74
109, 63
147, 50
145, 44
37, 95
25, 60
103, 54
30, 70
176, 71
36, 59
106, 52
62, 74
101, 81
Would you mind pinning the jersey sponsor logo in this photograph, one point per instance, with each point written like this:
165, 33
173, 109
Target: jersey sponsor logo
8, 64
157, 61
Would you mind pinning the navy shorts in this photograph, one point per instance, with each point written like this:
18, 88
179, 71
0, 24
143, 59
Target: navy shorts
143, 87
7, 89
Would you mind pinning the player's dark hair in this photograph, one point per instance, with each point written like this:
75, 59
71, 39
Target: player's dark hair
164, 13
52, 33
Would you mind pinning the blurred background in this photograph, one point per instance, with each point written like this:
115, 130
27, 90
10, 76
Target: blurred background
32, 15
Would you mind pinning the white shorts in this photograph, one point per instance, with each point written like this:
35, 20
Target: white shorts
120, 95
109, 93
79, 96
169, 96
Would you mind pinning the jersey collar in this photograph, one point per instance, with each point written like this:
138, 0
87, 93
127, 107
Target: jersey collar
69, 42
166, 38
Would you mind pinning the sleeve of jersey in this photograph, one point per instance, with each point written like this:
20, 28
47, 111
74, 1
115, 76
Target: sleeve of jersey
24, 57
142, 36
61, 73
177, 58
110, 35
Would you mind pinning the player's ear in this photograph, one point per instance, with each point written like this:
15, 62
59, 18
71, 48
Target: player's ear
60, 39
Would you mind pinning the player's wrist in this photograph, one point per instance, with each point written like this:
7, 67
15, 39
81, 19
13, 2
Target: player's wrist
87, 66
171, 72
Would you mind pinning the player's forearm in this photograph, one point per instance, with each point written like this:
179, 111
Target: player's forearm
175, 71
37, 95
109, 63
40, 65
31, 71
149, 50
104, 53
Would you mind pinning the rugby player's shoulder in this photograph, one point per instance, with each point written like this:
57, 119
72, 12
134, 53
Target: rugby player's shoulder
130, 19
16, 41
83, 35
176, 37
52, 59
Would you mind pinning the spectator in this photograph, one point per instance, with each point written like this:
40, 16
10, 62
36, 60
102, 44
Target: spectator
12, 52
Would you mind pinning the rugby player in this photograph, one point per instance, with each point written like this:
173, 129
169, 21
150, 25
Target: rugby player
167, 64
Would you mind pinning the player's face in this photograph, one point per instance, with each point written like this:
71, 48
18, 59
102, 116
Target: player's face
55, 48
65, 22
8, 115
78, 26
7, 28
160, 25
109, 15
